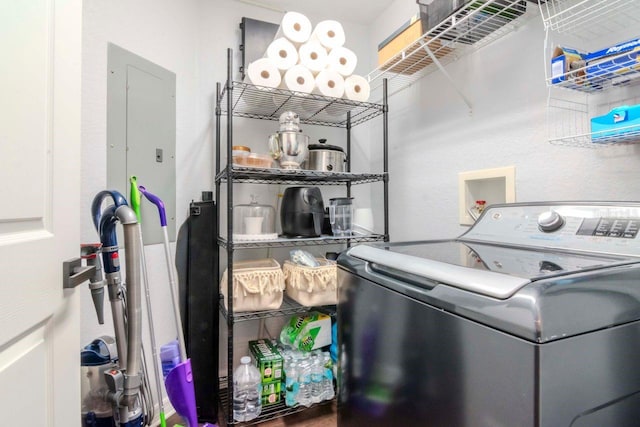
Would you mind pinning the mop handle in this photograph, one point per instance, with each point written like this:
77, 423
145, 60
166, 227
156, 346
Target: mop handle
135, 205
172, 283
159, 204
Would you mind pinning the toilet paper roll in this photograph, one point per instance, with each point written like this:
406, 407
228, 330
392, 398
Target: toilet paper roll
283, 53
298, 79
263, 72
313, 56
329, 33
329, 83
342, 60
356, 88
296, 27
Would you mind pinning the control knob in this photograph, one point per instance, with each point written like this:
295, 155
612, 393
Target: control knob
550, 221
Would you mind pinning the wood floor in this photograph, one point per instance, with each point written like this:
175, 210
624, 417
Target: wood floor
320, 416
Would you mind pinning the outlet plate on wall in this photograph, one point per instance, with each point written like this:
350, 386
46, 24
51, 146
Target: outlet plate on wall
495, 185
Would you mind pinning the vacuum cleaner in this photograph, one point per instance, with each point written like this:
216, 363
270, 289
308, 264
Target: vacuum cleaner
114, 388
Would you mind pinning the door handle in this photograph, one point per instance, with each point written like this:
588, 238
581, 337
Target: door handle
74, 273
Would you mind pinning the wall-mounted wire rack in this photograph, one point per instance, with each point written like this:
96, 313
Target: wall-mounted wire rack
594, 88
586, 18
474, 25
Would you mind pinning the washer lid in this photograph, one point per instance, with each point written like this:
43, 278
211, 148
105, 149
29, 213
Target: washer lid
485, 269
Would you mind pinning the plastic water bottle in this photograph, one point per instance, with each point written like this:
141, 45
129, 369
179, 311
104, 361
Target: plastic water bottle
247, 391
327, 388
317, 375
292, 386
304, 381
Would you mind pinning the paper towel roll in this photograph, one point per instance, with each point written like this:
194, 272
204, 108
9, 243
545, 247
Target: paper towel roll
296, 27
329, 83
329, 33
342, 60
313, 56
298, 79
263, 72
283, 53
356, 88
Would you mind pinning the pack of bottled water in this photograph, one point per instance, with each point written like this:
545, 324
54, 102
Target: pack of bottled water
308, 376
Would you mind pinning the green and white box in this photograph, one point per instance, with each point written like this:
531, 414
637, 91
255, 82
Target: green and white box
268, 360
271, 393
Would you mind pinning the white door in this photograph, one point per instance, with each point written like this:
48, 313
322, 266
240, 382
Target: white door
40, 53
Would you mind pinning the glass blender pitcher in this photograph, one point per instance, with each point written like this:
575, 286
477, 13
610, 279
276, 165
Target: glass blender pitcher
341, 215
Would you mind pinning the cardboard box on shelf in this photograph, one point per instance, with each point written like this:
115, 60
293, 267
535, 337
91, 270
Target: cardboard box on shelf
616, 123
271, 392
408, 33
567, 64
620, 59
415, 58
268, 360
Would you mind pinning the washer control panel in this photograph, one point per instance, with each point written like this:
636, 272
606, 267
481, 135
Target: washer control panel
590, 227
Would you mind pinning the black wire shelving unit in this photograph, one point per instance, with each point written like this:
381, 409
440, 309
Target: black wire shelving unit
239, 99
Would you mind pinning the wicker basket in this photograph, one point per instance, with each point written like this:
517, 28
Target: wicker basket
312, 286
257, 285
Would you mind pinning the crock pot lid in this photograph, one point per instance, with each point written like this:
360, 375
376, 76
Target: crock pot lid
324, 146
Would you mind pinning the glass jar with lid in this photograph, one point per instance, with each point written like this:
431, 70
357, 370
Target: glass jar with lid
254, 221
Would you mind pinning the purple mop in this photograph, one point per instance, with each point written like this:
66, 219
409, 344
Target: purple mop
179, 381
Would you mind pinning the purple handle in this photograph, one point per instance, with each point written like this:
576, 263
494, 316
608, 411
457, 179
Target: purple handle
156, 201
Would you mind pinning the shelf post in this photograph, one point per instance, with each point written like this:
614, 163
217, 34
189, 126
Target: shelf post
229, 237
217, 160
385, 145
348, 159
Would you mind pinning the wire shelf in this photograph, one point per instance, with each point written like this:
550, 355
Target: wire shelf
627, 136
588, 18
476, 24
268, 412
289, 307
610, 72
258, 102
306, 241
569, 119
296, 176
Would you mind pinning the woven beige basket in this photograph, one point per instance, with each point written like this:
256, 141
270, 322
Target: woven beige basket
312, 286
257, 285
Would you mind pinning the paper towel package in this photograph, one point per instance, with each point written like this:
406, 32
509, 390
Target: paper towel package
283, 53
296, 27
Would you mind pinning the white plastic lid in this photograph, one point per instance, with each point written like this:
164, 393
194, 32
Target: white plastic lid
245, 360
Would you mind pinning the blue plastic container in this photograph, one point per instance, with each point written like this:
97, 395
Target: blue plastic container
170, 357
618, 122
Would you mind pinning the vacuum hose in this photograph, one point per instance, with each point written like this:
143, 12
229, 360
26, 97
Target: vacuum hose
132, 382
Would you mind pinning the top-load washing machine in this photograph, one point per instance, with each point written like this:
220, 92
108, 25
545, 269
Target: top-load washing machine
531, 318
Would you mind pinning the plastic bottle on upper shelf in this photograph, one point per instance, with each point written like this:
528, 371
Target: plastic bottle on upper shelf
247, 390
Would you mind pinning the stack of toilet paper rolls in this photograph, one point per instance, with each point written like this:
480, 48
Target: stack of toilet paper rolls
306, 60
